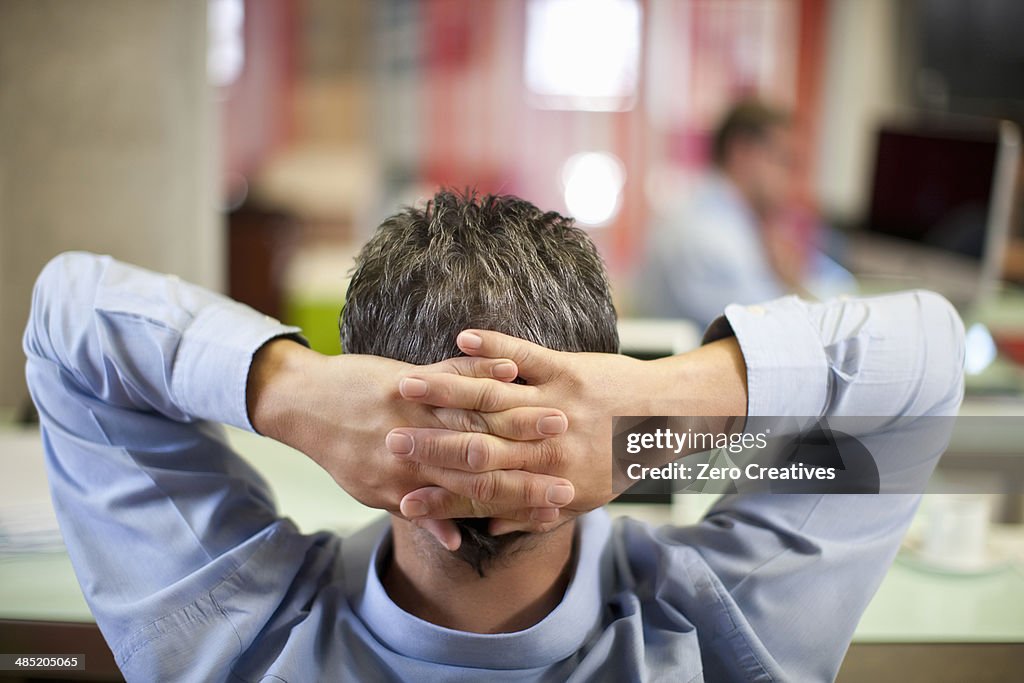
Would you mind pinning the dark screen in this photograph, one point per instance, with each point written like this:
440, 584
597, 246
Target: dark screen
933, 189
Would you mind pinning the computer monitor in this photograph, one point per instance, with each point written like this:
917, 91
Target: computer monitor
939, 208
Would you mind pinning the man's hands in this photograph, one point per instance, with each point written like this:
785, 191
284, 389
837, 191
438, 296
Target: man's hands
590, 388
336, 409
473, 443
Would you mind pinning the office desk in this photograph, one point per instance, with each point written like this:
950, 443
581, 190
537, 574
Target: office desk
39, 593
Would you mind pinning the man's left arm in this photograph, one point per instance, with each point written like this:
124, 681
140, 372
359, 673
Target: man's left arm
801, 568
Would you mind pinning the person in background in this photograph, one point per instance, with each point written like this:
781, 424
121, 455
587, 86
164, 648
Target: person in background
735, 238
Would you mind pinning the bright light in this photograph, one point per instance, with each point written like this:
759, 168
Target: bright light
593, 185
582, 54
979, 349
225, 52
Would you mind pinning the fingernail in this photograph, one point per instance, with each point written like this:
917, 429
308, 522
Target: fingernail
476, 457
437, 534
452, 542
552, 425
500, 527
440, 539
469, 340
399, 443
413, 508
505, 370
544, 514
560, 494
410, 387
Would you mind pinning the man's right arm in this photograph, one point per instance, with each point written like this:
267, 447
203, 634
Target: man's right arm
172, 535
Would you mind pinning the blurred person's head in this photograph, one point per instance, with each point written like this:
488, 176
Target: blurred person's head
493, 262
753, 146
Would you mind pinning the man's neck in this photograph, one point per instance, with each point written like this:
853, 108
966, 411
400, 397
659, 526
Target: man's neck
515, 593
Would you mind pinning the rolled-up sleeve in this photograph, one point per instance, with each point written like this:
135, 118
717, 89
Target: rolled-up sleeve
131, 371
801, 568
899, 354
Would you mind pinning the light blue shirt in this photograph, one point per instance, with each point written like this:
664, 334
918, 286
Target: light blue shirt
705, 252
192, 574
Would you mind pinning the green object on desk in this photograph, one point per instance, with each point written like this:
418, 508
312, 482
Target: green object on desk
318, 319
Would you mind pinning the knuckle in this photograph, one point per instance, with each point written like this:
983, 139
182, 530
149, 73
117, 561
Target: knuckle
478, 453
484, 488
517, 457
461, 367
425, 450
523, 426
478, 509
456, 419
488, 399
551, 457
442, 451
411, 471
446, 393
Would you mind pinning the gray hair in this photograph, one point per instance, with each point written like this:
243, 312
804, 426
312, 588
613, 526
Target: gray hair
492, 262
495, 263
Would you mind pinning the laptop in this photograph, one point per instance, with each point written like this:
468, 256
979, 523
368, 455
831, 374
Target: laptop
939, 212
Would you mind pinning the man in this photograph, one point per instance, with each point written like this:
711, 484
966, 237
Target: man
192, 576
731, 241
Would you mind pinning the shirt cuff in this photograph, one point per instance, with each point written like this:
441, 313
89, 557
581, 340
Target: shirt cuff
211, 368
787, 371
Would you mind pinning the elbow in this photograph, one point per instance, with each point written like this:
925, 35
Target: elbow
45, 292
55, 289
945, 340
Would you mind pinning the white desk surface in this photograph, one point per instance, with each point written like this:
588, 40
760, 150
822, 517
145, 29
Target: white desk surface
911, 605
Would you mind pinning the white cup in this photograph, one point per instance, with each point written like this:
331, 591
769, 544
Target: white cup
956, 533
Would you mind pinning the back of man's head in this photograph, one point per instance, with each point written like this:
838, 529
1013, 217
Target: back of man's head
493, 262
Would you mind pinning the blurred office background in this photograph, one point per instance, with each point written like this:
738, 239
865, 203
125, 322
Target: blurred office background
252, 145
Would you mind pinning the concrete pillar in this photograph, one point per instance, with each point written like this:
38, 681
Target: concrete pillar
863, 74
107, 143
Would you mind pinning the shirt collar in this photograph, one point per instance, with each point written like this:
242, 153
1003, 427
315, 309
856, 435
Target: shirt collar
560, 634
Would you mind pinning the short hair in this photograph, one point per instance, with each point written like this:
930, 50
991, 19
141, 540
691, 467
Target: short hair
746, 120
495, 262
